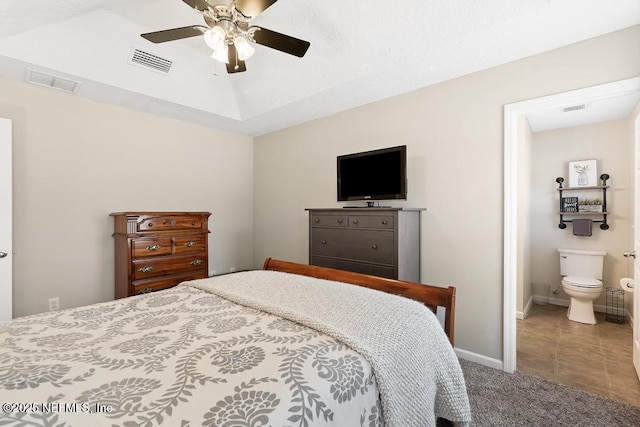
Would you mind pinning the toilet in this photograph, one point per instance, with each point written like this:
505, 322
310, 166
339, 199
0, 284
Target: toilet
581, 279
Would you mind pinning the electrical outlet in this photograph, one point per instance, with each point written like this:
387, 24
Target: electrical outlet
232, 270
54, 304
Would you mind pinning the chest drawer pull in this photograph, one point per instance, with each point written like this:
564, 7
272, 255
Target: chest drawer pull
316, 220
190, 244
355, 221
374, 246
384, 222
153, 247
340, 221
196, 262
324, 242
145, 269
145, 291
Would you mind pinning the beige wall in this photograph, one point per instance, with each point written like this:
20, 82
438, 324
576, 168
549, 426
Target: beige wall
75, 161
610, 143
454, 134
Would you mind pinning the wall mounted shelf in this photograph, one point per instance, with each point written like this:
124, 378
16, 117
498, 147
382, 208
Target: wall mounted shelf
602, 215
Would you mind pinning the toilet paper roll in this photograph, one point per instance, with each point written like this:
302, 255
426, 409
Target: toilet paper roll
627, 284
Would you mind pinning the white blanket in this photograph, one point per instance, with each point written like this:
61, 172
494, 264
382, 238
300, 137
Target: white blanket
416, 369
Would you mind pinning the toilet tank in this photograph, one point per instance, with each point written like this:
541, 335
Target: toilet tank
574, 262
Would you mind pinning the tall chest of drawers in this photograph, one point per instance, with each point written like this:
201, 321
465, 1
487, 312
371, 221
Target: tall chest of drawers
379, 241
158, 250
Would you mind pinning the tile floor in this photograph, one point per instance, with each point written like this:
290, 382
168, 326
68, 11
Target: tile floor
594, 358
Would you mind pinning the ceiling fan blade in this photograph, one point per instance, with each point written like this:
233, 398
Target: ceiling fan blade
175, 33
253, 8
197, 4
235, 65
281, 42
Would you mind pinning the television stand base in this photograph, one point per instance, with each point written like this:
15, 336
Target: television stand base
367, 207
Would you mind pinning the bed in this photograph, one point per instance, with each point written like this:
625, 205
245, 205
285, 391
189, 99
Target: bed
288, 345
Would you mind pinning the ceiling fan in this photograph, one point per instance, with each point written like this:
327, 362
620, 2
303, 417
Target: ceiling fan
228, 32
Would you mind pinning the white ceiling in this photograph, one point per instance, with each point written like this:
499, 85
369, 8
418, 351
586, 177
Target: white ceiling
361, 51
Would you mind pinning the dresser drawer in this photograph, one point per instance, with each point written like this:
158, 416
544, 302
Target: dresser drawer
356, 267
384, 222
151, 285
150, 247
169, 222
143, 269
374, 246
190, 244
329, 220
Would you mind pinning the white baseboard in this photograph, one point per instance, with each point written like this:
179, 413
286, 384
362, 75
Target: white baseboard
479, 359
523, 314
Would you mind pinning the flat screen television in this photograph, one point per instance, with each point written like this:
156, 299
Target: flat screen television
373, 175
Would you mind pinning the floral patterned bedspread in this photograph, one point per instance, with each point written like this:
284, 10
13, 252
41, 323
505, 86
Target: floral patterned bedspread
180, 357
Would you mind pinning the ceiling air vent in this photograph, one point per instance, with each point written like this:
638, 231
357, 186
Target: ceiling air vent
42, 78
149, 60
574, 108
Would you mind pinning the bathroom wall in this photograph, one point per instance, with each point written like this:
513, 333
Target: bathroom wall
524, 287
611, 144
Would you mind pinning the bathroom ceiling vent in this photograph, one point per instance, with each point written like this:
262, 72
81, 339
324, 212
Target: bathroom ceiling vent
574, 108
150, 61
42, 78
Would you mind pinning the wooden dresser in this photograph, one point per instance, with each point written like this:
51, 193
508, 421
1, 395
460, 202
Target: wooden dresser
158, 250
379, 241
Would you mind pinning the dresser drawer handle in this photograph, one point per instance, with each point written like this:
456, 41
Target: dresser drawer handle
340, 221
150, 224
384, 222
153, 247
145, 269
316, 220
190, 244
355, 221
374, 246
145, 291
196, 262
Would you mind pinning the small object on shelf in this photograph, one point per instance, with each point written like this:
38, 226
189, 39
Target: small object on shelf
597, 207
590, 205
569, 204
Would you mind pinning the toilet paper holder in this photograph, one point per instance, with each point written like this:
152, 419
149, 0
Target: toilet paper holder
627, 284
615, 305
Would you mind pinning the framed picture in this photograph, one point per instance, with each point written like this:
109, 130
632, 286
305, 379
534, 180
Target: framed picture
583, 173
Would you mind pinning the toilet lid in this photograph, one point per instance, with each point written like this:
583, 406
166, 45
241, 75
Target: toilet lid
583, 282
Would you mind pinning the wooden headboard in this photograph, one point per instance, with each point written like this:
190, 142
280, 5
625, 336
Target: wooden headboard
431, 296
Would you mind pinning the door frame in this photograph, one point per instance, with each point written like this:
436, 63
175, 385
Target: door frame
6, 243
512, 168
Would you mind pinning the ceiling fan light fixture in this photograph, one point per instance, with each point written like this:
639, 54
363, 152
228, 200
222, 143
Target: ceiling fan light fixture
221, 54
244, 49
214, 37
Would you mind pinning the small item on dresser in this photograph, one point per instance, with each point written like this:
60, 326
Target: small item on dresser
582, 227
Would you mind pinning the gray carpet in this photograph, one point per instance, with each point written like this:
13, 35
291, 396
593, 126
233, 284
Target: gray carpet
501, 399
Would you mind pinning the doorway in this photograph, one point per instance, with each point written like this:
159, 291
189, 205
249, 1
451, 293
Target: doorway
513, 165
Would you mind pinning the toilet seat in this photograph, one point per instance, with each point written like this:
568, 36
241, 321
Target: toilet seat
582, 282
